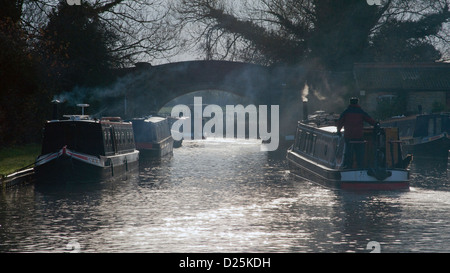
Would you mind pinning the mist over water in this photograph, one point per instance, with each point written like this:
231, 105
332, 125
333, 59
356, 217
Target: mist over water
224, 196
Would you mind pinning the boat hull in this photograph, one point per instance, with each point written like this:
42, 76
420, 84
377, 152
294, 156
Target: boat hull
353, 179
435, 147
426, 135
160, 149
70, 166
153, 136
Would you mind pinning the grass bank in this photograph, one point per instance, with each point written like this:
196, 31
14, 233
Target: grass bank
17, 157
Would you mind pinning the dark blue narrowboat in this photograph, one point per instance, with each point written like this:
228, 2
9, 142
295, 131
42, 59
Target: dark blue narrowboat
83, 149
426, 135
153, 136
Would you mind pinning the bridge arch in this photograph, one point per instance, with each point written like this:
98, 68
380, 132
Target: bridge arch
151, 87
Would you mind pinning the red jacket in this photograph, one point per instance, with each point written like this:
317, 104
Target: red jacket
352, 119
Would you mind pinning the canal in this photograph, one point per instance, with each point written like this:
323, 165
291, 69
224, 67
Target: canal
225, 196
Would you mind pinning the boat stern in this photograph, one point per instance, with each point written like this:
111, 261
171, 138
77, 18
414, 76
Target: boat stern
393, 179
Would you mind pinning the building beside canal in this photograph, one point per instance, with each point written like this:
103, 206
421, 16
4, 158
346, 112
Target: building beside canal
423, 87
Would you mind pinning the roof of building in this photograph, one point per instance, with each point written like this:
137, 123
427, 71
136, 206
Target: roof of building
402, 76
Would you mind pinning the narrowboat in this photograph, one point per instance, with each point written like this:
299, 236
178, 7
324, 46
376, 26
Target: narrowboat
426, 135
153, 136
80, 148
318, 155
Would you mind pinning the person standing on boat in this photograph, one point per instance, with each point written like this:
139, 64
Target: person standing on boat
352, 119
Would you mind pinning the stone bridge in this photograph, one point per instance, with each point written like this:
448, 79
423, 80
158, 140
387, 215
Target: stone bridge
148, 88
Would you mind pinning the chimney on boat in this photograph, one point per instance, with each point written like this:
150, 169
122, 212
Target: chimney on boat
305, 110
82, 105
55, 109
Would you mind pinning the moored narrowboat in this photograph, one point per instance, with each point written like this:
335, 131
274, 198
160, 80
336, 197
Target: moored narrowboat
318, 155
426, 135
79, 148
153, 136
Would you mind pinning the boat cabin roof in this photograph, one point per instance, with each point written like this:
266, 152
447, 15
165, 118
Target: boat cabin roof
87, 118
76, 117
150, 119
330, 129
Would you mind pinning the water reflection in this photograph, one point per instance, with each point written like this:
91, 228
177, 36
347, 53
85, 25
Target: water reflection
225, 196
431, 173
370, 217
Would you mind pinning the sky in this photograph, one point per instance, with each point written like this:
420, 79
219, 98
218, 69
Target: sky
192, 52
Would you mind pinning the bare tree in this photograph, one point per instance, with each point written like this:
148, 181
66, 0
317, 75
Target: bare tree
145, 29
334, 33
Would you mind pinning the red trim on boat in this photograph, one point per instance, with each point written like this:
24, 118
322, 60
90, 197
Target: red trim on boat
374, 186
142, 145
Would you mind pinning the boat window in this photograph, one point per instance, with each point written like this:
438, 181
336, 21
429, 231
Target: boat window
303, 141
105, 136
438, 125
431, 127
108, 140
313, 144
130, 135
298, 139
446, 124
158, 131
306, 142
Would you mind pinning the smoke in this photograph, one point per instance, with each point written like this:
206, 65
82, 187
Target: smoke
81, 94
315, 92
77, 95
305, 92
326, 90
110, 99
319, 96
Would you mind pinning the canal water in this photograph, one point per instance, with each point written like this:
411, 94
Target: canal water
226, 196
